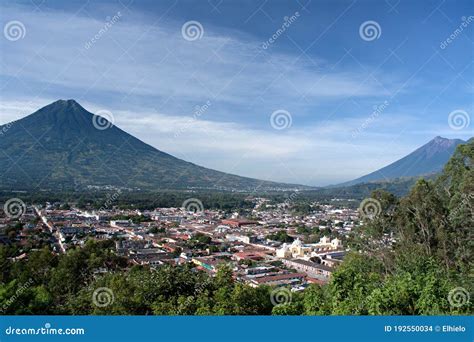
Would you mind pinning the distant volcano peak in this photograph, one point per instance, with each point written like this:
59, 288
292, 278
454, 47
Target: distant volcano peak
66, 102
439, 145
64, 115
427, 159
64, 105
440, 139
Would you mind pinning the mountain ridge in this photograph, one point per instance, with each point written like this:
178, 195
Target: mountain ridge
426, 160
60, 146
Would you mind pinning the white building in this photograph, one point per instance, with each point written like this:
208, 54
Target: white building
305, 251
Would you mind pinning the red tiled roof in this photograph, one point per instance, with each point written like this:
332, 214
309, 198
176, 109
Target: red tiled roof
279, 277
249, 255
316, 281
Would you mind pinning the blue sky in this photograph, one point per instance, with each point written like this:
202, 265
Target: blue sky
356, 102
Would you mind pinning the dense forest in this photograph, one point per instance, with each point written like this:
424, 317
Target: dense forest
413, 258
223, 200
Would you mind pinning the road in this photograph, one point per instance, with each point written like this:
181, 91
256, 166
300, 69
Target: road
55, 233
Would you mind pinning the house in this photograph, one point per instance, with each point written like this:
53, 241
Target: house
237, 223
312, 269
248, 256
278, 279
240, 238
299, 250
121, 223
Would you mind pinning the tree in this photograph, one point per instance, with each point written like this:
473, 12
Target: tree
224, 283
251, 300
317, 300
352, 282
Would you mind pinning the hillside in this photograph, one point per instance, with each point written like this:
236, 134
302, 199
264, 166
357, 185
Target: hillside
427, 160
58, 147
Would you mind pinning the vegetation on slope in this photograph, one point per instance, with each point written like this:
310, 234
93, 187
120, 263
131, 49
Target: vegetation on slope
413, 258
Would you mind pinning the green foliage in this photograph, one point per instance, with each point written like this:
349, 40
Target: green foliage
281, 236
202, 238
317, 300
408, 260
156, 230
301, 208
352, 282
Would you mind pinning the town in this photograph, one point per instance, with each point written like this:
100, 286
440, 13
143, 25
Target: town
270, 245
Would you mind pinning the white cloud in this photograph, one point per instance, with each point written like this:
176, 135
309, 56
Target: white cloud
151, 78
314, 155
11, 110
133, 58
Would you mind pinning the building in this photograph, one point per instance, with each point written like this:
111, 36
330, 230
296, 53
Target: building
240, 238
259, 270
278, 279
305, 251
167, 218
121, 223
237, 223
69, 230
210, 263
312, 269
256, 256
